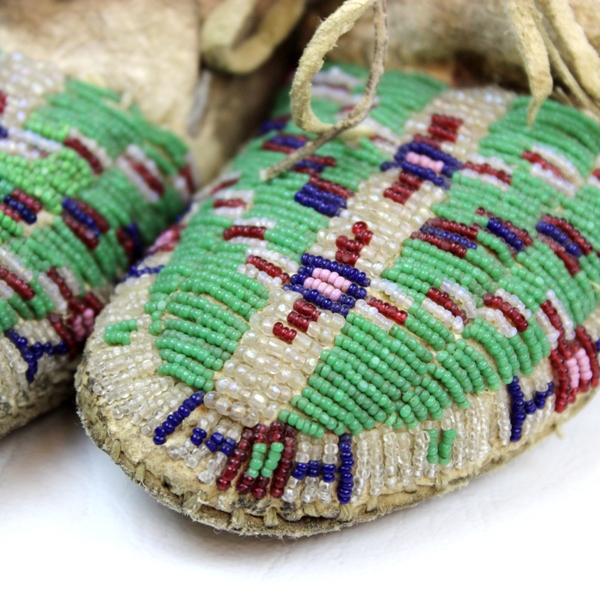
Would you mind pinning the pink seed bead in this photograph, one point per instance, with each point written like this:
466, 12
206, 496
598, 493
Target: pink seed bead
339, 282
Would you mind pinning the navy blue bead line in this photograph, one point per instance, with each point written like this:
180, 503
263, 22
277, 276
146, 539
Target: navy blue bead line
306, 163
175, 418
325, 202
346, 483
597, 345
274, 125
136, 272
499, 230
451, 164
447, 235
314, 468
559, 236
71, 207
290, 141
31, 354
321, 301
3, 133
217, 442
350, 273
418, 171
26, 213
519, 408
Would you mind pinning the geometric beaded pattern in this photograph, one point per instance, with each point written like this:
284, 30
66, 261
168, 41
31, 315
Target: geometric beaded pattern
380, 314
85, 185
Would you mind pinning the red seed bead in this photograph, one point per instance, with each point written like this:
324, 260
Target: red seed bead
442, 134
10, 212
17, 284
250, 231
553, 317
298, 321
573, 233
387, 310
233, 203
468, 231
93, 302
359, 227
412, 182
329, 186
571, 263
186, 173
80, 231
341, 242
451, 247
346, 258
125, 240
395, 196
63, 333
446, 121
306, 309
64, 289
364, 237
486, 169
535, 158
563, 390
100, 221
284, 333
444, 300
27, 200
85, 153
244, 484
223, 185
423, 139
510, 312
149, 179
275, 432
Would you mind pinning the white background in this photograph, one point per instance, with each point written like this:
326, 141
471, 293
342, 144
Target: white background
73, 526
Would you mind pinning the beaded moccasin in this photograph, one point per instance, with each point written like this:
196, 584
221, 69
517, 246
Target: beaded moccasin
372, 328
84, 184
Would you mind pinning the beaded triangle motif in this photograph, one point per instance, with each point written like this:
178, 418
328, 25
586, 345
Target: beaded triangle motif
375, 326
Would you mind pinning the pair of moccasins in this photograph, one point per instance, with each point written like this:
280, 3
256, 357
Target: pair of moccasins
377, 325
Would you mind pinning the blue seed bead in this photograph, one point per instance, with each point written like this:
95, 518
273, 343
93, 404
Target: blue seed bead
183, 411
197, 398
314, 468
300, 471
175, 419
168, 427
189, 404
198, 436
